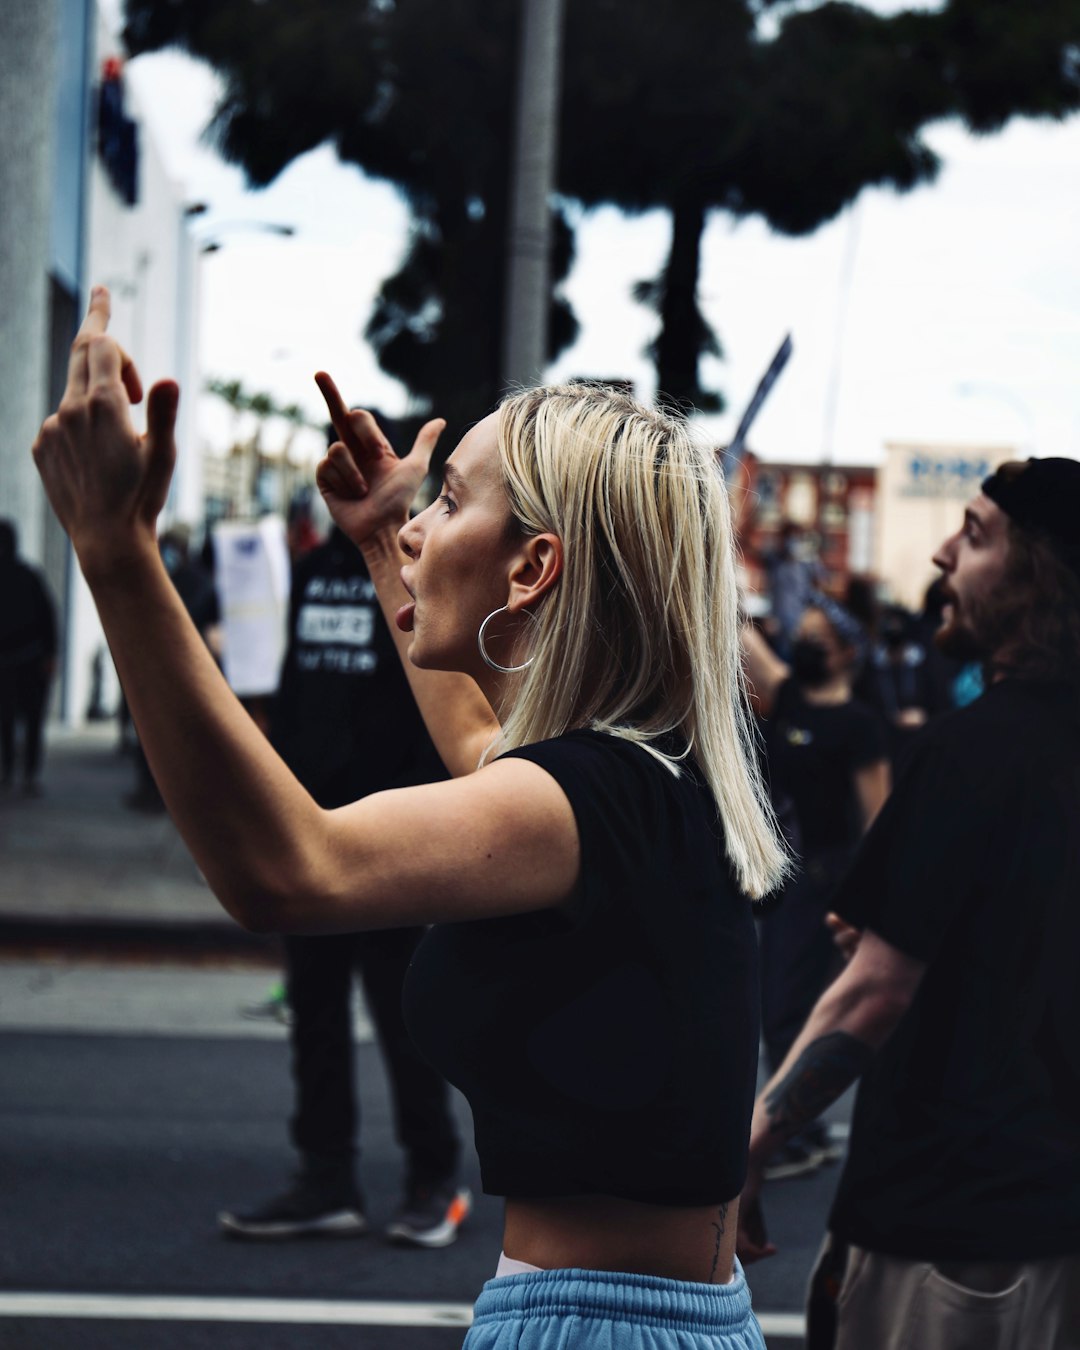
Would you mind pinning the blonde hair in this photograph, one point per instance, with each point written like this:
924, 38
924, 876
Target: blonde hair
640, 637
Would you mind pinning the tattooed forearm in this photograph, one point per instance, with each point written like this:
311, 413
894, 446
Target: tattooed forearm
719, 1225
822, 1072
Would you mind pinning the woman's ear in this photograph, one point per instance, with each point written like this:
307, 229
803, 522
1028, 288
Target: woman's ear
535, 571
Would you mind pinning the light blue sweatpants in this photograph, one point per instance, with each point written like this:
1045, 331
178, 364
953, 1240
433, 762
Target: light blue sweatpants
597, 1310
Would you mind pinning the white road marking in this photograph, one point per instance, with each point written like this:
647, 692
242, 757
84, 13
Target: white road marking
783, 1324
191, 1309
327, 1312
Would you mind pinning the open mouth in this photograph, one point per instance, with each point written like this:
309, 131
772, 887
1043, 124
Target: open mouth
403, 619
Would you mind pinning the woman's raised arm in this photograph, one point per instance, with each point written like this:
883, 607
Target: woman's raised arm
239, 808
501, 841
765, 672
368, 491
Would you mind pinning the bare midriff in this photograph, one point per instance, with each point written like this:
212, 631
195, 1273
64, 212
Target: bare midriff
599, 1232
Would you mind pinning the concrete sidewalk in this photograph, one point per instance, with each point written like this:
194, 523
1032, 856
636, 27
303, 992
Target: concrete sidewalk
79, 867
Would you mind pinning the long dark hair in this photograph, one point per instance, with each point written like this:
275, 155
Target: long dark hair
1039, 606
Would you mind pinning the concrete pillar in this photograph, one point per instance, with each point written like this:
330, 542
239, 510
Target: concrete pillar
28, 43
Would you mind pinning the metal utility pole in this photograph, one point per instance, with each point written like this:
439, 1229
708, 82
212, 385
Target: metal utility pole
528, 276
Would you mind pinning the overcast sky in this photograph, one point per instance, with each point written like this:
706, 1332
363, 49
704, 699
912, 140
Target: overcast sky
950, 314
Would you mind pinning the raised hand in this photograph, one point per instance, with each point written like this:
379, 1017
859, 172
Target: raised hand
106, 483
365, 486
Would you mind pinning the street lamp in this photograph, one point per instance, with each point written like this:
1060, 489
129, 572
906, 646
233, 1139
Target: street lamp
213, 244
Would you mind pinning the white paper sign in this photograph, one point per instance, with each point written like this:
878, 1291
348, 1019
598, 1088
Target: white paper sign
252, 578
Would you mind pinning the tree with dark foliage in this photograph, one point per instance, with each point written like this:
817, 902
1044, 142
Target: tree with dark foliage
684, 106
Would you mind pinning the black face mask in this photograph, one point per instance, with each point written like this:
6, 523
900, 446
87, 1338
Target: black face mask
810, 662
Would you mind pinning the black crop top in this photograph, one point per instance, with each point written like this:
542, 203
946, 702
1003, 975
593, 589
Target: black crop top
609, 1047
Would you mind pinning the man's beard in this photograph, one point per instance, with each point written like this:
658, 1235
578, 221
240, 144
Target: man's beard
958, 641
979, 633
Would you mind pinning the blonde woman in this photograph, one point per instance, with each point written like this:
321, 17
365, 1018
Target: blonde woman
568, 610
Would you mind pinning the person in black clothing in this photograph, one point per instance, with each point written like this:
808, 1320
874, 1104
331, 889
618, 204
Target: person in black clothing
828, 772
904, 678
346, 724
196, 589
27, 661
957, 1219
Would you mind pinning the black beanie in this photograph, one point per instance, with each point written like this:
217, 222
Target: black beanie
1043, 495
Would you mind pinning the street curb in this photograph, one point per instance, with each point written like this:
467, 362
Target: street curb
178, 938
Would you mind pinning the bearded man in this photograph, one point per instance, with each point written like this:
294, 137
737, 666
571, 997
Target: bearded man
957, 1218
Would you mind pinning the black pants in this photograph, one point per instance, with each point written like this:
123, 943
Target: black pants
23, 692
798, 955
325, 1122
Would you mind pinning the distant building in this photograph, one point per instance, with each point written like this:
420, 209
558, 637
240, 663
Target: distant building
922, 489
883, 521
86, 199
834, 504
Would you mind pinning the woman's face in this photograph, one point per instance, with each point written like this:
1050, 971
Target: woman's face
460, 551
815, 627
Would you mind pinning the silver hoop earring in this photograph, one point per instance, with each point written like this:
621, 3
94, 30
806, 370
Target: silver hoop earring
503, 670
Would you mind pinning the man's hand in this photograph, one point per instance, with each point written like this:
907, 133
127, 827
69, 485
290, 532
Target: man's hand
105, 483
365, 486
844, 935
752, 1242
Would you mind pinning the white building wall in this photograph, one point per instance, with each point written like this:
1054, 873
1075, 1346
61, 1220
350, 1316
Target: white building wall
146, 256
27, 64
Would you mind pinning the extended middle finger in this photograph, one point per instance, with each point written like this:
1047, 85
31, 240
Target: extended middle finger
356, 427
94, 324
335, 404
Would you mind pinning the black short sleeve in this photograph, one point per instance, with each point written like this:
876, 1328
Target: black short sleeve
620, 816
922, 860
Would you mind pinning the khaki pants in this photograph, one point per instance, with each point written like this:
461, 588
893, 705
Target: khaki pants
888, 1303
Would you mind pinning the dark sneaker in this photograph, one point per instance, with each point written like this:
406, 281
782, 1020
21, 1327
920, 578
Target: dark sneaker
306, 1209
430, 1216
795, 1159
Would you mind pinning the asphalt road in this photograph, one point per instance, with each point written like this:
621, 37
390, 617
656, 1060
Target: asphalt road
128, 1119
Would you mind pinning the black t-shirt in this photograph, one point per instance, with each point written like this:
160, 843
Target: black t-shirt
199, 595
344, 719
966, 1138
814, 751
608, 1047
